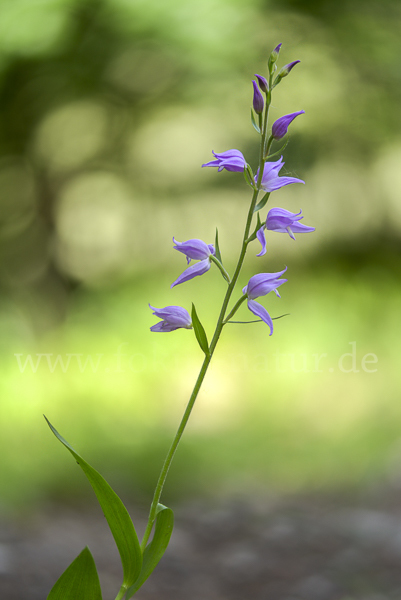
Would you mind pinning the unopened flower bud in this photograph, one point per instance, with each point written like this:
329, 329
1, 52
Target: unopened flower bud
263, 84
285, 70
273, 57
280, 127
275, 52
258, 102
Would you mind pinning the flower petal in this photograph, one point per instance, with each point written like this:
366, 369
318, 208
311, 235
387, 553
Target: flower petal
176, 315
260, 311
258, 102
280, 127
279, 182
301, 228
260, 234
164, 327
198, 269
231, 160
194, 249
263, 283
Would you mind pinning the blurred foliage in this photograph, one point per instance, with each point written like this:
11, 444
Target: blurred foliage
107, 110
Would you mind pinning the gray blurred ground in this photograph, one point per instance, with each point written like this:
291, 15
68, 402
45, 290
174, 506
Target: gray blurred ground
320, 548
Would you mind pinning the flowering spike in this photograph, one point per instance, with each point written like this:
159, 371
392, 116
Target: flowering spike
231, 160
174, 317
280, 127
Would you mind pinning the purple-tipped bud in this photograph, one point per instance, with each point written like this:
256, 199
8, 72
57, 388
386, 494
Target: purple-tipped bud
280, 127
263, 84
285, 70
272, 59
277, 49
258, 102
274, 55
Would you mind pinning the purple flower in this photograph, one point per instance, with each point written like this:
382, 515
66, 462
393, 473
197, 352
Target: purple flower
283, 221
174, 317
263, 84
258, 102
270, 180
260, 285
197, 250
231, 160
280, 127
194, 249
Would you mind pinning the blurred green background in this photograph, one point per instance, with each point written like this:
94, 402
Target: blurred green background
107, 110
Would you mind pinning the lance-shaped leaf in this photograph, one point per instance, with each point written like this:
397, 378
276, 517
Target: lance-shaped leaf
262, 203
157, 547
79, 581
256, 126
116, 515
278, 152
200, 333
217, 252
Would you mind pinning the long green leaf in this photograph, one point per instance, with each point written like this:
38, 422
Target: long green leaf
217, 247
262, 203
157, 547
116, 515
256, 126
79, 581
200, 333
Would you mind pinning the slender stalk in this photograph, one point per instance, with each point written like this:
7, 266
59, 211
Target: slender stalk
121, 593
264, 149
171, 452
236, 307
222, 269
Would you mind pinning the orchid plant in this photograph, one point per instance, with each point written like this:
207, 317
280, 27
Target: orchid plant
80, 581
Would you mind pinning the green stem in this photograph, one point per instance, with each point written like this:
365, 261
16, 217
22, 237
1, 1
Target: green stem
220, 266
171, 452
121, 593
216, 335
236, 307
